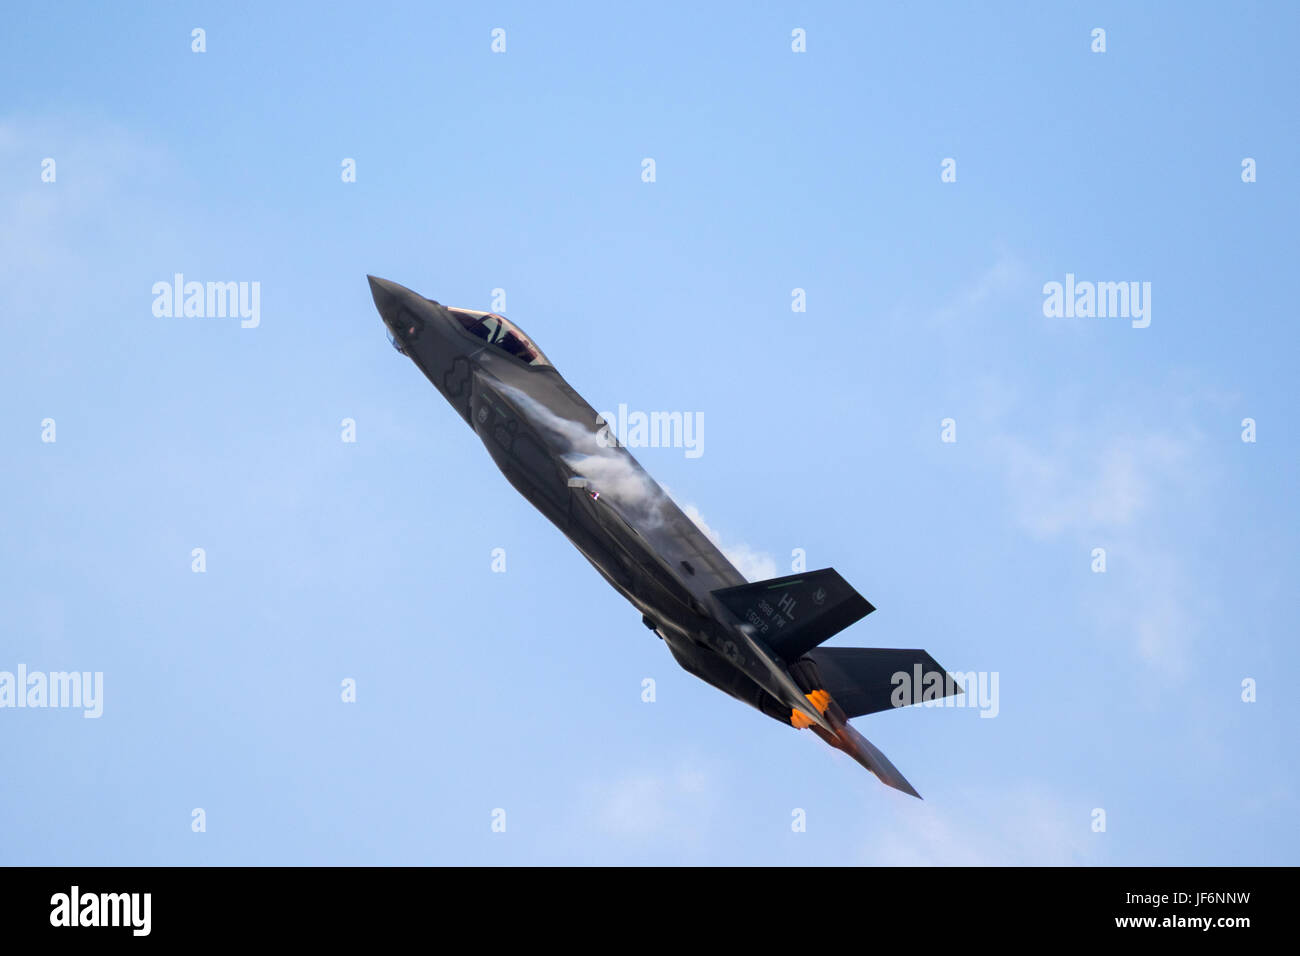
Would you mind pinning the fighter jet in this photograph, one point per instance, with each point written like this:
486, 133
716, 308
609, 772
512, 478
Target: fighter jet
758, 641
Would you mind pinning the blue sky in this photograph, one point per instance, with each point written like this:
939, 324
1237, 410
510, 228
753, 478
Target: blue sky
521, 171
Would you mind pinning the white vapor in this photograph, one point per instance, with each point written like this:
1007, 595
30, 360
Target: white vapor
617, 477
753, 564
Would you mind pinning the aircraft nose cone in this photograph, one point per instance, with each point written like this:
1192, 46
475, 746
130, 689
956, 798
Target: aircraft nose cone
387, 296
401, 310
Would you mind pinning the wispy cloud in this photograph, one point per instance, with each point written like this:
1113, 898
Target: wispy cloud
1006, 275
641, 805
98, 170
1082, 482
1024, 825
1117, 476
1123, 493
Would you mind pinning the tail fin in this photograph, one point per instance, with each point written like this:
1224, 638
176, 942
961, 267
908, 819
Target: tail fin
795, 613
864, 680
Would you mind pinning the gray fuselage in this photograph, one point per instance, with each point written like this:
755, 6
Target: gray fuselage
551, 446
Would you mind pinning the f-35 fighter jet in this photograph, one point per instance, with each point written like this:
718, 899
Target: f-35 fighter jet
759, 642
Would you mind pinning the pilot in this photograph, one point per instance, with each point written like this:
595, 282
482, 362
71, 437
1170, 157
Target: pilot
517, 347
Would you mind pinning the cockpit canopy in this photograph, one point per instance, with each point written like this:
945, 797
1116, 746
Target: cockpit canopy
499, 331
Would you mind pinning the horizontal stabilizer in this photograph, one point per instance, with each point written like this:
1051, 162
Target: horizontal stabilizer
865, 680
795, 613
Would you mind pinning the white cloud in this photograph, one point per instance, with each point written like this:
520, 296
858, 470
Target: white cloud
643, 805
1125, 493
1025, 825
1088, 483
46, 226
1118, 478
1005, 276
